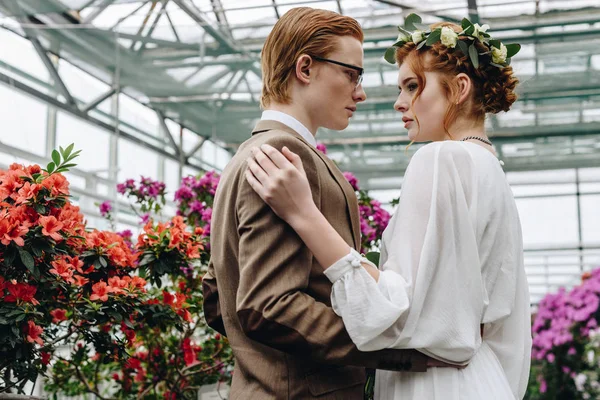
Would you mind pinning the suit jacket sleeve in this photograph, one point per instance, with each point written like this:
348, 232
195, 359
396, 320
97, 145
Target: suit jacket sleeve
211, 306
272, 304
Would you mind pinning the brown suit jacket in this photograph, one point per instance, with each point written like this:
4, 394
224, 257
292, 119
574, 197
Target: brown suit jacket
266, 292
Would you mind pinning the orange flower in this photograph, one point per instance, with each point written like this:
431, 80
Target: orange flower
80, 280
27, 192
12, 232
198, 230
100, 291
58, 315
11, 182
63, 269
176, 237
192, 251
33, 333
57, 184
137, 282
51, 226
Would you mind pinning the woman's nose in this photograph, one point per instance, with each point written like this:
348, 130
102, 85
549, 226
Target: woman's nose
400, 105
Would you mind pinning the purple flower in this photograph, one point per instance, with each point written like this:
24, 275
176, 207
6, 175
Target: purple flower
197, 206
543, 386
322, 148
183, 193
125, 234
207, 215
352, 179
105, 208
145, 218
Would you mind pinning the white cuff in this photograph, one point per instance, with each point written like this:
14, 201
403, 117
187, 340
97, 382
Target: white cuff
345, 264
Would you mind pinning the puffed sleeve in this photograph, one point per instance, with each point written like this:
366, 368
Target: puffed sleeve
429, 295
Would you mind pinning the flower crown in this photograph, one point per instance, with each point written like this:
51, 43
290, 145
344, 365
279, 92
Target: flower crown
414, 31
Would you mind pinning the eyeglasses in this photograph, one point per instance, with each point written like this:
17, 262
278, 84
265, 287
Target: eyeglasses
361, 71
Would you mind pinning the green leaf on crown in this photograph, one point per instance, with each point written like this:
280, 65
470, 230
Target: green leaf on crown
465, 23
512, 49
390, 55
434, 36
411, 20
495, 43
463, 46
474, 56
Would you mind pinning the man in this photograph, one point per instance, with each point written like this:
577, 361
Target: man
264, 290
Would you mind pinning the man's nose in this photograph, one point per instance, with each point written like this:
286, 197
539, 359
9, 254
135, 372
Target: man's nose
359, 94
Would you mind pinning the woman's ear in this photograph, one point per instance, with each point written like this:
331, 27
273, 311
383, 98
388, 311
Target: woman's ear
303, 66
465, 86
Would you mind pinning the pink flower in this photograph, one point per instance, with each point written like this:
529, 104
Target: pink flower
105, 208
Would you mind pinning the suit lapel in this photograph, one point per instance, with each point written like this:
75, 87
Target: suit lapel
349, 194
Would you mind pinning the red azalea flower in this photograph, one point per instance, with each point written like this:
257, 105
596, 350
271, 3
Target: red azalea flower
46, 357
58, 315
33, 333
21, 291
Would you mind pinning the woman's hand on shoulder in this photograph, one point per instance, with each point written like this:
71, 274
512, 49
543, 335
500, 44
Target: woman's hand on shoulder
280, 180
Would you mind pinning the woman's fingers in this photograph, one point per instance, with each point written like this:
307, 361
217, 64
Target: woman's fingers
260, 175
275, 155
254, 183
293, 158
264, 161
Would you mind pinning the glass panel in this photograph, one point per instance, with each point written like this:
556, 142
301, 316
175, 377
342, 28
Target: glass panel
93, 142
23, 121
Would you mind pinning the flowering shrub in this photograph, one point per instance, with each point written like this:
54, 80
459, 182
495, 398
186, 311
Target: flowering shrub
171, 351
565, 331
57, 281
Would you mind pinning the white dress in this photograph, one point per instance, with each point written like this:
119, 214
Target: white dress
452, 259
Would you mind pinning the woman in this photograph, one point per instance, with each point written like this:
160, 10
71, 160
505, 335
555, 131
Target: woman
451, 282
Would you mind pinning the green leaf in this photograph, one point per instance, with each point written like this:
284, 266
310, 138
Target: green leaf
463, 46
56, 157
497, 65
434, 36
390, 55
50, 167
422, 27
421, 44
373, 256
495, 43
465, 23
474, 56
20, 318
68, 151
103, 261
411, 20
512, 49
27, 260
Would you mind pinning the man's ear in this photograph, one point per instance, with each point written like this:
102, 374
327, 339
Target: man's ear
465, 85
303, 67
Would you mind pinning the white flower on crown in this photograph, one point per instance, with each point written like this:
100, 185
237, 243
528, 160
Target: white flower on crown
418, 36
499, 55
403, 37
449, 37
479, 30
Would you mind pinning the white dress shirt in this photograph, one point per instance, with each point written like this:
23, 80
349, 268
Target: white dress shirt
292, 122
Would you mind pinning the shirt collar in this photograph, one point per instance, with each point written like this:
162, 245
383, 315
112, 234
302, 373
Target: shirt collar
290, 121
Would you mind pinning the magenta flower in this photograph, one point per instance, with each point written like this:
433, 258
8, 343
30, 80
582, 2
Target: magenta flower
322, 148
352, 179
105, 208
